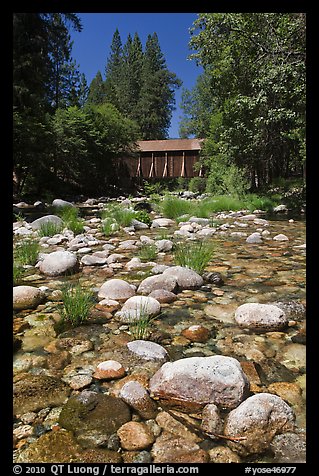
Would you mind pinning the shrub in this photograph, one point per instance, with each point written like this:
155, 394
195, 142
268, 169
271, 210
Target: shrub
77, 304
143, 216
197, 184
27, 252
193, 255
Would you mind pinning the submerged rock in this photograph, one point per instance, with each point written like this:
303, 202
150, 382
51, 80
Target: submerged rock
34, 392
193, 382
186, 278
258, 419
264, 317
93, 417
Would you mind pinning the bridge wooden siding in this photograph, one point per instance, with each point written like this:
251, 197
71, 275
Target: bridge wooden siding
164, 159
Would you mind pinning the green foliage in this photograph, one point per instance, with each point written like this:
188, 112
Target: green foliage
173, 207
77, 304
18, 273
26, 252
109, 226
193, 255
147, 252
254, 82
119, 214
71, 220
49, 229
197, 184
143, 216
140, 325
226, 179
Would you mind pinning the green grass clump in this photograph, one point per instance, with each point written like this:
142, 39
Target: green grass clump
194, 255
70, 217
143, 216
140, 325
109, 226
49, 229
147, 252
18, 272
174, 207
77, 304
123, 216
26, 252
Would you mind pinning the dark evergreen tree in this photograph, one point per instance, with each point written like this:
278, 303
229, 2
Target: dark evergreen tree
96, 93
157, 100
113, 71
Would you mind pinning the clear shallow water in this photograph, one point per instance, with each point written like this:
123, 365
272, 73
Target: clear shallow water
268, 272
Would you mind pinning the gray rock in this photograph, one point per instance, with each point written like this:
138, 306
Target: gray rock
164, 245
161, 281
258, 419
26, 297
186, 278
163, 296
139, 225
116, 289
254, 238
36, 224
162, 222
148, 350
137, 397
195, 382
137, 307
170, 449
289, 448
93, 260
293, 309
212, 422
59, 203
264, 317
58, 263
201, 221
280, 209
281, 237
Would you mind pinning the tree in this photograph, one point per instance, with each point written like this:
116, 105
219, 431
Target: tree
256, 65
157, 100
35, 46
113, 71
96, 93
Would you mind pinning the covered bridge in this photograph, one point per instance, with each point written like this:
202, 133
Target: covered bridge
164, 158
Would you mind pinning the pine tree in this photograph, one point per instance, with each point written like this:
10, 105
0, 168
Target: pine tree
113, 71
157, 100
96, 90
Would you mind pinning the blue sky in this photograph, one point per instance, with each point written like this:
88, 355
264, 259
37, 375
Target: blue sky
91, 47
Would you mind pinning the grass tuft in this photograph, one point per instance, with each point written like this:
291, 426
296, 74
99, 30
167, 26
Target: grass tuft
194, 255
77, 304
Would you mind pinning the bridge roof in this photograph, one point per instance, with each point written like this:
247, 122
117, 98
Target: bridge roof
169, 145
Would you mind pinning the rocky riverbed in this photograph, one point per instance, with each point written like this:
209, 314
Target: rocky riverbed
219, 375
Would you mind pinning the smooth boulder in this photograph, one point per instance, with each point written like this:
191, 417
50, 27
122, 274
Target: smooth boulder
257, 420
116, 289
186, 278
58, 263
26, 297
194, 382
263, 317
